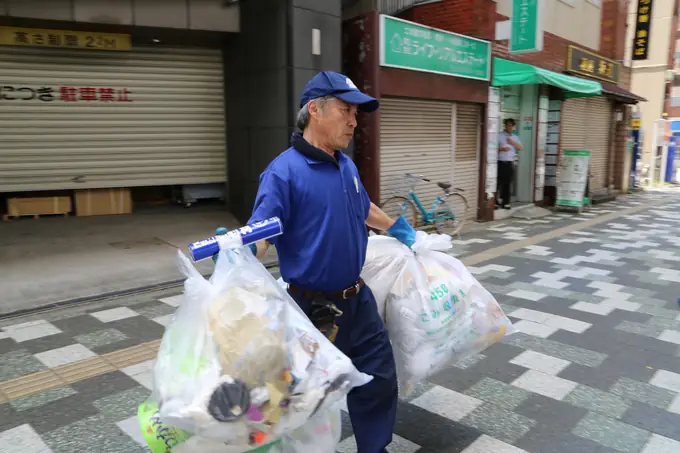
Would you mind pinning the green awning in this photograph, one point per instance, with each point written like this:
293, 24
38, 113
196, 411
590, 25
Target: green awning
506, 72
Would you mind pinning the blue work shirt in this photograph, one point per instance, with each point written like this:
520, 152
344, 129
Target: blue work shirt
323, 207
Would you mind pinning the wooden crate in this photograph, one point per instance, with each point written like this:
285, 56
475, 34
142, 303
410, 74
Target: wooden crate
103, 202
37, 206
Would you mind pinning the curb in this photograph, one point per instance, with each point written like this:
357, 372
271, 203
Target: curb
105, 296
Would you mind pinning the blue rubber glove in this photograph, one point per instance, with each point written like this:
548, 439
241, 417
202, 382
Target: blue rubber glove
403, 232
219, 232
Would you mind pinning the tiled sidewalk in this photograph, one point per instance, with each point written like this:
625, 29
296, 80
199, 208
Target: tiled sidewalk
595, 368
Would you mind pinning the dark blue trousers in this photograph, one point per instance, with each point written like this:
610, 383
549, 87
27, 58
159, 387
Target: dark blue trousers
363, 338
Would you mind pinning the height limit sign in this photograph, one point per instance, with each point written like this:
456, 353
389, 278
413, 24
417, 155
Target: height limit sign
526, 31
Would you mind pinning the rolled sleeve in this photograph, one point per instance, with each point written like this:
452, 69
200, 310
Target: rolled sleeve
273, 200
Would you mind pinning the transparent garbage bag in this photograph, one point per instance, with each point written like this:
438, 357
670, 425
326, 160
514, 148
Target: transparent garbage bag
436, 312
240, 363
320, 434
383, 266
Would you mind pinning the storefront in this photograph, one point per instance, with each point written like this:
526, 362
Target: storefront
533, 96
436, 139
86, 110
586, 125
433, 88
599, 124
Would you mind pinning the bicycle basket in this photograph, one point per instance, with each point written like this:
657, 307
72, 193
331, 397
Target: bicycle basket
403, 186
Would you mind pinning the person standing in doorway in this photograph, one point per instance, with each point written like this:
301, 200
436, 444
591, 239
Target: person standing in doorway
508, 145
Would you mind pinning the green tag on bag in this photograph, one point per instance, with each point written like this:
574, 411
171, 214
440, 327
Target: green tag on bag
160, 437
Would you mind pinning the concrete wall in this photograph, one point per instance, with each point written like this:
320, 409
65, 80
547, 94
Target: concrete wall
211, 15
269, 65
574, 20
649, 76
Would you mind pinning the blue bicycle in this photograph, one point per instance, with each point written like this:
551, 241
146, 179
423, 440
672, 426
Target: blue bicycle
448, 214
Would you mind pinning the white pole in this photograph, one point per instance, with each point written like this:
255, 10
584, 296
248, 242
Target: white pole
652, 156
664, 156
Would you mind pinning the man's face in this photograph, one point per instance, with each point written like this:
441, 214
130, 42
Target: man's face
509, 126
336, 121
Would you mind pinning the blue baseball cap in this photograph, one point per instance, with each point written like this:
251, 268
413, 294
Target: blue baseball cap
329, 83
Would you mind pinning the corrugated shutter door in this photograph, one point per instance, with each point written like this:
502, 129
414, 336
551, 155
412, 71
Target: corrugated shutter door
573, 124
415, 137
599, 113
173, 131
466, 166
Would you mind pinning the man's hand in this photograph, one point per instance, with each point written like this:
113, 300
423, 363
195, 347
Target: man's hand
504, 148
517, 146
399, 229
220, 231
403, 232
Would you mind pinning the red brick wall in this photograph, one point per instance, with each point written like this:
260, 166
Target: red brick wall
621, 156
613, 29
478, 18
467, 17
553, 56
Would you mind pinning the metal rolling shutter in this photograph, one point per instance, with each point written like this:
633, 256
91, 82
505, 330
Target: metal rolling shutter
172, 133
415, 137
599, 114
573, 126
466, 167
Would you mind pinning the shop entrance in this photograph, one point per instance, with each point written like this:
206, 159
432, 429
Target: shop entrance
519, 102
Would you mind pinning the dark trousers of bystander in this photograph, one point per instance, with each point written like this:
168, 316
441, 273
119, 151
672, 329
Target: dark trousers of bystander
505, 173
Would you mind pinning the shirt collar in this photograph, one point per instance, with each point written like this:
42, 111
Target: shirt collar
312, 154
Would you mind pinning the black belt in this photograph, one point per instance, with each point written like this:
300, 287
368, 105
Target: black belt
344, 294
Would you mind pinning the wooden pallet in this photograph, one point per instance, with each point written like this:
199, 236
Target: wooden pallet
37, 206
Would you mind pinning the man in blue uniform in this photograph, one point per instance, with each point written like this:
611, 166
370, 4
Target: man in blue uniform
316, 192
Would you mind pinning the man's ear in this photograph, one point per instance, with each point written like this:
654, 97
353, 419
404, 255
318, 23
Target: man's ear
314, 108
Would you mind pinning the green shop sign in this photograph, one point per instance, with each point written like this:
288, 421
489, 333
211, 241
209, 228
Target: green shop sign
526, 26
407, 45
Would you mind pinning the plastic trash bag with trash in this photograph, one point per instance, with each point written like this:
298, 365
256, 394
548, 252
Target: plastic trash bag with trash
240, 363
436, 312
320, 434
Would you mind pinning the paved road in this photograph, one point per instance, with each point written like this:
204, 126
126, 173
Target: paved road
595, 368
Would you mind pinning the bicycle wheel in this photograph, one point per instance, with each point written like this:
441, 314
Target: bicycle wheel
400, 206
450, 214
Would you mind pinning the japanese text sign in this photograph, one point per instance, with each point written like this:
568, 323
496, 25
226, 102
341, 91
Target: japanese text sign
407, 45
584, 62
33, 37
526, 29
643, 26
12, 93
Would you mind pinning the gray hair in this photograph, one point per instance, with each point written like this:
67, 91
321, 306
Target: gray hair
302, 118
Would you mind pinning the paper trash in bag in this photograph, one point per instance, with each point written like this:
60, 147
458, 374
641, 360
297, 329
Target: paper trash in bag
436, 312
241, 363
